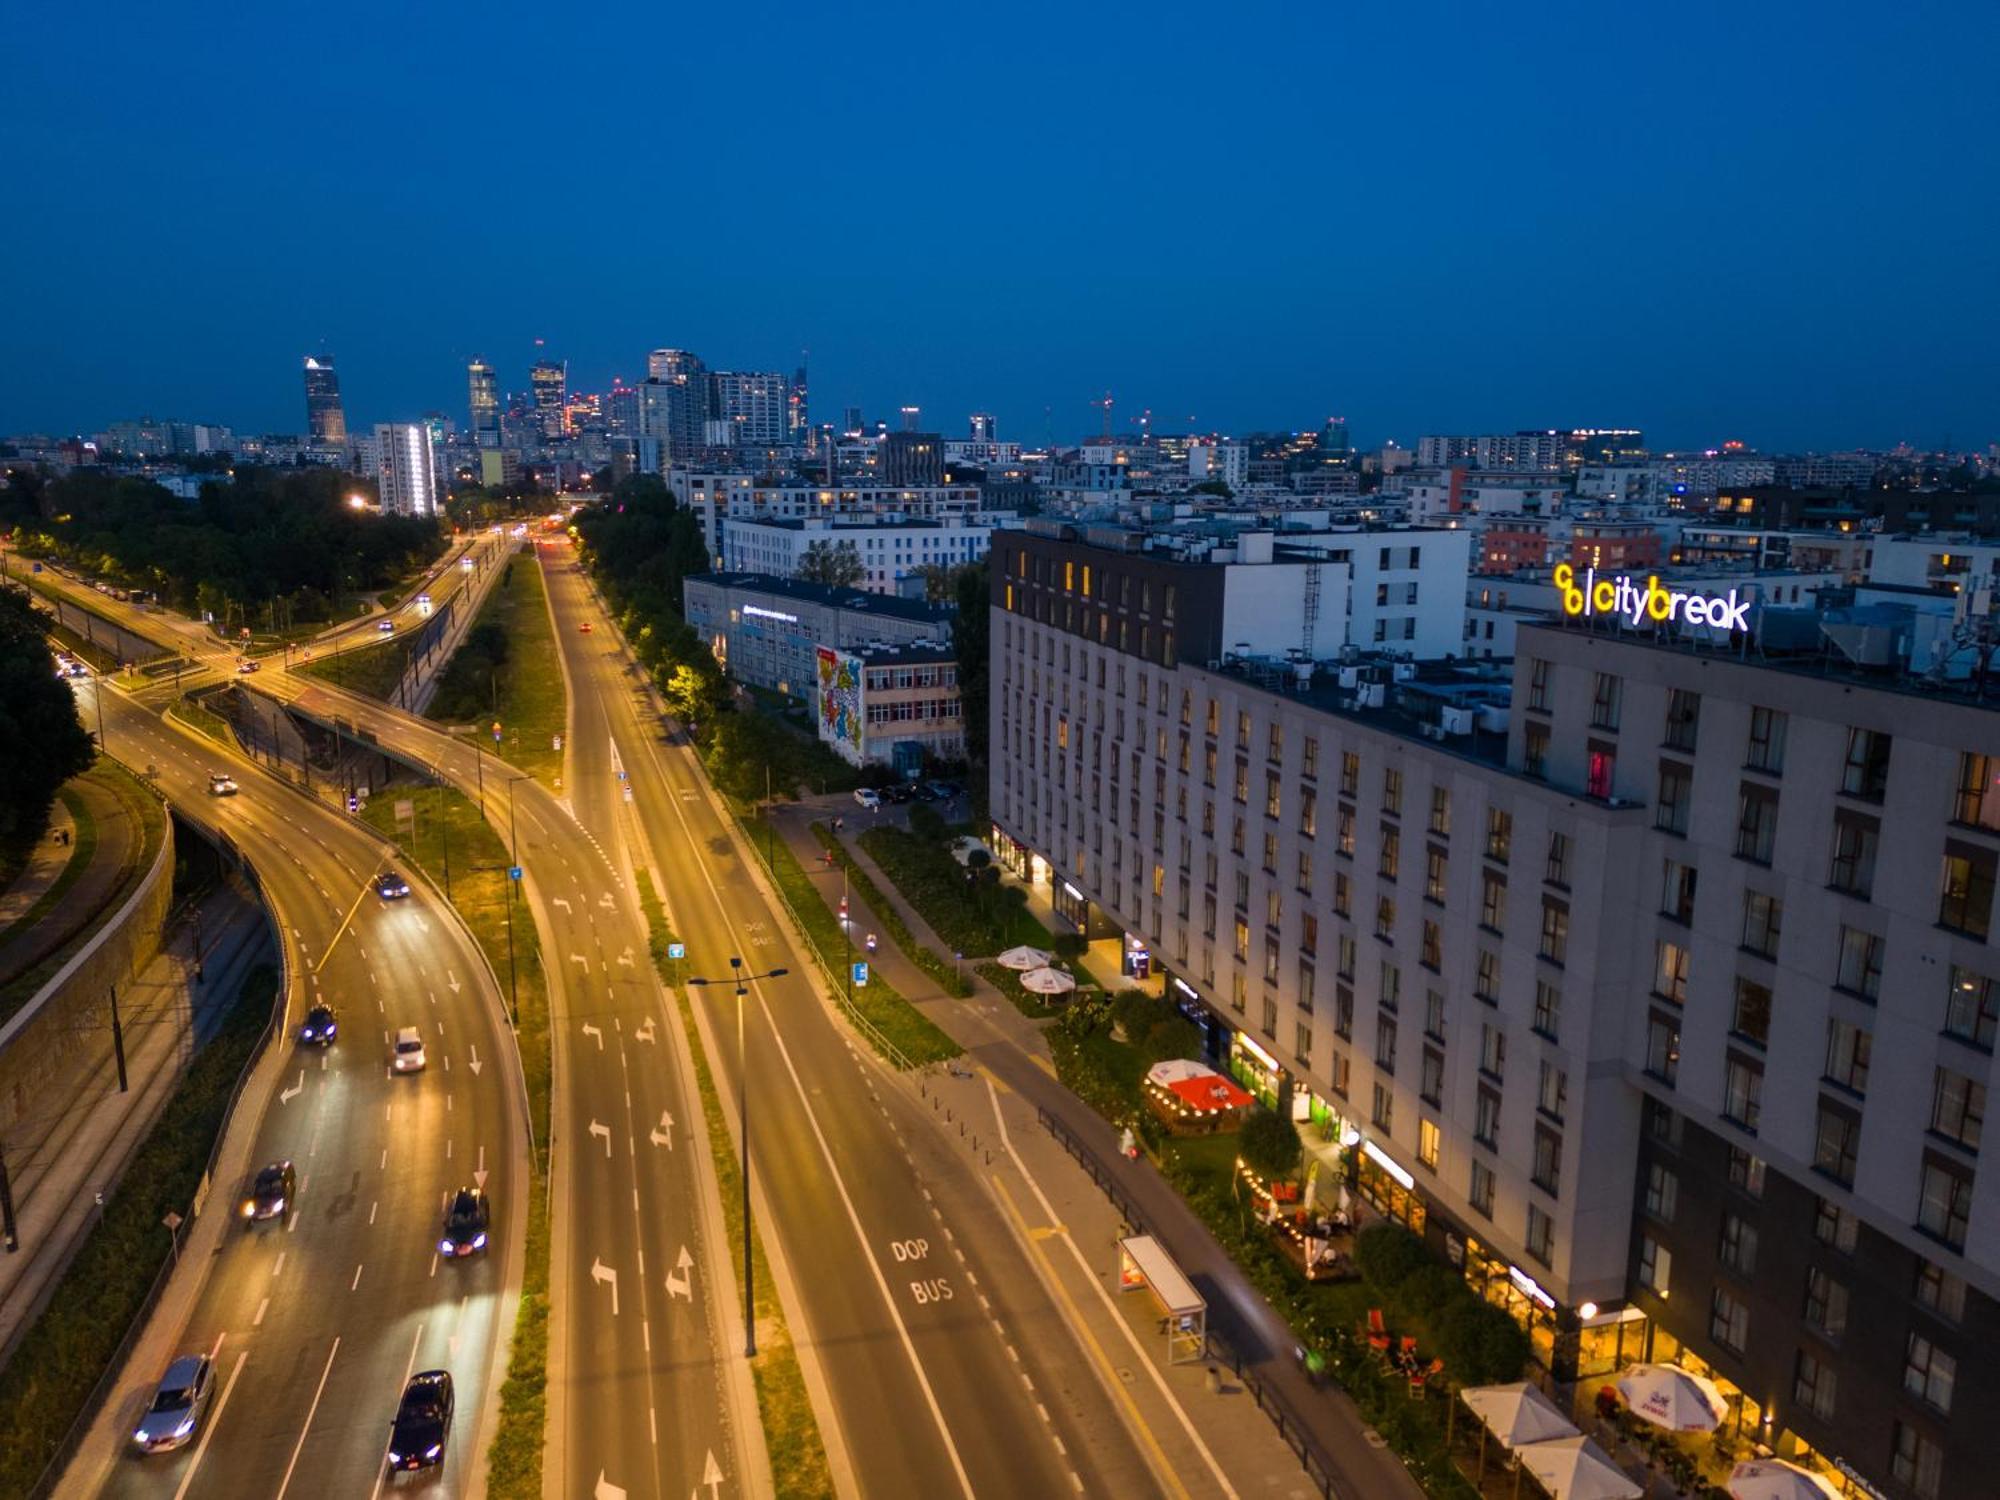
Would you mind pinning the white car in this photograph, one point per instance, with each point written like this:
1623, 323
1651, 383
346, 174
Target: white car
409, 1053
868, 797
386, 627
221, 784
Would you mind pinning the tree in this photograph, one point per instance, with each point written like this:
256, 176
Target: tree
692, 697
1269, 1144
836, 564
971, 631
1214, 487
941, 580
46, 742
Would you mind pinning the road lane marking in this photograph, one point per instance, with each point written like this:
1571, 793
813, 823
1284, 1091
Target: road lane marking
352, 1285
257, 1320
207, 1432
277, 1265
286, 1482
382, 1464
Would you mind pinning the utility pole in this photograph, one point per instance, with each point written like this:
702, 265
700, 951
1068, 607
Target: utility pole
7, 1225
118, 1042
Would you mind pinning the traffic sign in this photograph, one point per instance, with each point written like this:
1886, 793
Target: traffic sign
496, 731
677, 950
860, 975
513, 872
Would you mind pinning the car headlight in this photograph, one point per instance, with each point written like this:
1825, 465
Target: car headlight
278, 1207
434, 1450
139, 1434
445, 1246
185, 1428
395, 1457
479, 1242
249, 1207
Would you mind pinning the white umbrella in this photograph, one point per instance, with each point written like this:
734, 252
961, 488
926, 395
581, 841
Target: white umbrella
1047, 982
1673, 1398
1774, 1479
1024, 958
1518, 1414
1177, 1070
1575, 1468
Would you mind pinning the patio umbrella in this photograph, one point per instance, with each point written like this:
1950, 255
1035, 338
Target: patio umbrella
1047, 982
1024, 958
1774, 1479
1518, 1414
1575, 1468
1673, 1398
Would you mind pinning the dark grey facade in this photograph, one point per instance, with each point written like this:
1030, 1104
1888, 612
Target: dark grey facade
766, 630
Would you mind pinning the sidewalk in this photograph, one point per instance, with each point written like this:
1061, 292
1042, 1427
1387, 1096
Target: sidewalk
1009, 1048
60, 1163
45, 866
120, 840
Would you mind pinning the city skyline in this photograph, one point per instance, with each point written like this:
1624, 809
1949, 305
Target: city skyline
1639, 238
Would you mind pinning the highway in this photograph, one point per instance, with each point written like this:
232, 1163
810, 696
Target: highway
315, 1319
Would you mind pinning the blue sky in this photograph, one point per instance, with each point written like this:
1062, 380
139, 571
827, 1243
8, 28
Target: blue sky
1773, 221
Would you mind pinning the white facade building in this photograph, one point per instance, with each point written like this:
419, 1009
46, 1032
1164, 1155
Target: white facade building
890, 549
407, 469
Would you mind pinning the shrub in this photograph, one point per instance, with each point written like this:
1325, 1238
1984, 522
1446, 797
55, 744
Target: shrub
1269, 1144
1387, 1254
1168, 1038
1070, 946
925, 822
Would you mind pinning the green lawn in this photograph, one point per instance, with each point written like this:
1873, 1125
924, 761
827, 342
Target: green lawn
978, 921
65, 1351
192, 712
531, 704
791, 1433
907, 1028
374, 669
947, 972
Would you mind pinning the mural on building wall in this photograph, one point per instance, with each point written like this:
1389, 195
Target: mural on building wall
839, 697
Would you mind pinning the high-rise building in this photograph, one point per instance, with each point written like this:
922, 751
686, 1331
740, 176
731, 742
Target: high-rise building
408, 468
673, 364
913, 418
326, 423
675, 404
483, 402
798, 417
621, 410
981, 427
912, 458
755, 404
550, 381
850, 421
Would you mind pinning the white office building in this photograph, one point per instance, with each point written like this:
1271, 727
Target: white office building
408, 468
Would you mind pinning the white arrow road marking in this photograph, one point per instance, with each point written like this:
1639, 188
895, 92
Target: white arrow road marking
711, 1474
606, 1490
663, 1133
606, 902
563, 902
475, 1064
423, 926
601, 1273
645, 1032
295, 1090
597, 1128
590, 1030
578, 958
452, 980
680, 1280
479, 1172
625, 958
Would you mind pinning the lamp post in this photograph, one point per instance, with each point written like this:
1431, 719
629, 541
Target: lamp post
742, 983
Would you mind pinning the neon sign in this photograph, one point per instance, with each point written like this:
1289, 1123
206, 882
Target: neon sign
759, 612
1636, 604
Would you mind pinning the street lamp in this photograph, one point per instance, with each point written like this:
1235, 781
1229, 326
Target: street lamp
742, 983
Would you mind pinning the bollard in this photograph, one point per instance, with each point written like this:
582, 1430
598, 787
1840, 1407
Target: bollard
1214, 1381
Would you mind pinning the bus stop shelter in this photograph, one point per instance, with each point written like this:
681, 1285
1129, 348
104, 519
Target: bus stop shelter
1144, 1262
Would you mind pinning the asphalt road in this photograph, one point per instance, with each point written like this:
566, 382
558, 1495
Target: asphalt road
316, 1319
950, 1369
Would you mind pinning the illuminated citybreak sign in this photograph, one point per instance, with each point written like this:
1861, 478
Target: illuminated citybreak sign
761, 613
1637, 604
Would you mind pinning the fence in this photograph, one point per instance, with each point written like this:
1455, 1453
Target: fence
1296, 1434
100, 1393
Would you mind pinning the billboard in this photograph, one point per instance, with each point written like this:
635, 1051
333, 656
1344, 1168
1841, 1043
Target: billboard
839, 694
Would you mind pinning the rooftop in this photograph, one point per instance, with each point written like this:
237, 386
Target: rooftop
917, 653
1460, 706
830, 595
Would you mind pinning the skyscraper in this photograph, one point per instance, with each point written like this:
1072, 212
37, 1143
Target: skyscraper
407, 468
982, 427
756, 404
483, 397
326, 423
913, 418
550, 380
798, 422
851, 420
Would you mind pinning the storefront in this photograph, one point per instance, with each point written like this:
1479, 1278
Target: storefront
1135, 959
1016, 858
1215, 1033
1254, 1068
1387, 1183
1516, 1293
1072, 906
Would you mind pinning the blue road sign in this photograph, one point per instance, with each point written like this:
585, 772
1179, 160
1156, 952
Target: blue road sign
860, 975
677, 950
513, 872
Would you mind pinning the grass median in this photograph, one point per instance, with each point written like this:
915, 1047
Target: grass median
373, 670
65, 1352
445, 830
791, 1433
202, 719
507, 670
976, 916
949, 974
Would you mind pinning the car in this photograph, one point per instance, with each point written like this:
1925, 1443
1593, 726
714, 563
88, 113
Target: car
465, 1224
390, 886
924, 791
320, 1026
409, 1054
178, 1405
385, 627
221, 784
941, 791
868, 797
78, 669
423, 1422
245, 666
896, 792
583, 626
271, 1192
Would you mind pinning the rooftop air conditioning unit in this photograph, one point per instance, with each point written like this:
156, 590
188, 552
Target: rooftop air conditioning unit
1350, 677
1457, 721
1406, 671
1372, 695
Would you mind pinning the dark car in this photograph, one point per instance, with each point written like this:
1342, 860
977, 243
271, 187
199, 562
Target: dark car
423, 1422
465, 1223
940, 791
272, 1192
320, 1026
390, 886
896, 792
177, 1405
924, 791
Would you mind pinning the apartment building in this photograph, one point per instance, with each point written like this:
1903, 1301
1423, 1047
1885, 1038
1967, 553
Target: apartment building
767, 631
1585, 974
891, 549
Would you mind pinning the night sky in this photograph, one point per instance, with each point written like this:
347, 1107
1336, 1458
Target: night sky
1778, 222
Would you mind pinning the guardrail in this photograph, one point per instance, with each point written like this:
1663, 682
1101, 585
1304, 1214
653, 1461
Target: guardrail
1292, 1429
100, 1393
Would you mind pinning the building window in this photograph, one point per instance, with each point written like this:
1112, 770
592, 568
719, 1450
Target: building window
1486, 977
1382, 1113
1605, 693
1344, 959
1486, 1120
1535, 751
1826, 1303
1677, 886
1241, 787
1350, 773
1548, 1009
1481, 1195
1835, 1226
1390, 856
1737, 1249
1274, 747
1392, 792
1434, 1015
1967, 902
1766, 751
1499, 834
1676, 794
1385, 1044
1305, 876
1308, 812
1847, 1055
1432, 956
1751, 1018
1555, 931
1958, 1109
1541, 1235
1547, 1171
1729, 1320
1663, 1191
1343, 825
1492, 1051
1742, 1092
1656, 1265
1756, 823
1441, 811
1746, 1172
1977, 800
1763, 916
1385, 918
1663, 1048
1428, 1137
1972, 1008
1916, 1461
1492, 901
1431, 1088
1866, 773
1311, 765
1670, 972
1852, 868
1538, 685
1683, 719
1859, 970
1944, 1203
1556, 870
1434, 875
1813, 1385
1836, 1143
1940, 1291
1929, 1373
1552, 1094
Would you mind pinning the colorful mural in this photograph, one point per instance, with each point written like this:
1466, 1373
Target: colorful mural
839, 698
